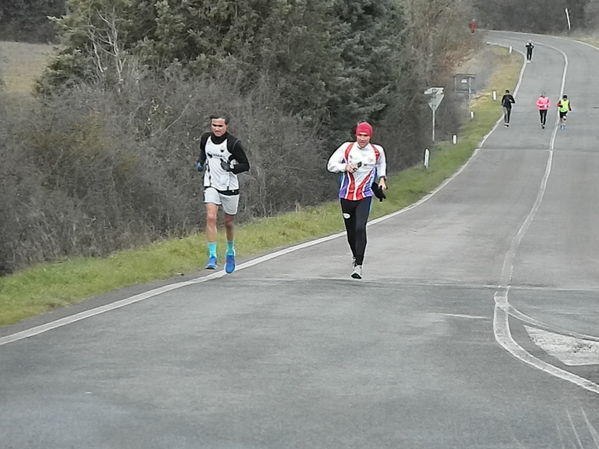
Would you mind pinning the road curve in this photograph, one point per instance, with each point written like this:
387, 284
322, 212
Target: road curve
475, 325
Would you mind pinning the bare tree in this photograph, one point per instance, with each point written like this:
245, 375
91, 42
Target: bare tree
107, 48
437, 32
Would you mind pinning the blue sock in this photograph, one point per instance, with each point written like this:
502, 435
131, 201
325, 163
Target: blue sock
231, 248
211, 249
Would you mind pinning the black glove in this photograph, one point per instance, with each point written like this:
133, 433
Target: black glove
378, 192
225, 165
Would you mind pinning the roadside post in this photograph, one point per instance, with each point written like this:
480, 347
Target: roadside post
435, 96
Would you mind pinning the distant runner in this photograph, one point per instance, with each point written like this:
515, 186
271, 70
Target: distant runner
564, 107
543, 106
529, 48
506, 102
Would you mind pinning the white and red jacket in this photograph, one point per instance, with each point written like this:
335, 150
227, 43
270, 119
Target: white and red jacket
371, 165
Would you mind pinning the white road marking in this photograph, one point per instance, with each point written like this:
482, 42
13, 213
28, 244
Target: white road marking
503, 336
149, 294
526, 319
89, 313
570, 351
501, 326
468, 317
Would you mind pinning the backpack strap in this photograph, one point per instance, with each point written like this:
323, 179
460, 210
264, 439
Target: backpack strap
231, 142
347, 150
377, 153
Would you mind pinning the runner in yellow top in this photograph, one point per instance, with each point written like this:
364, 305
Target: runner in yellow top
564, 107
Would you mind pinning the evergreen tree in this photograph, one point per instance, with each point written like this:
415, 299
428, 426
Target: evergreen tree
369, 36
27, 20
289, 40
98, 37
331, 62
539, 16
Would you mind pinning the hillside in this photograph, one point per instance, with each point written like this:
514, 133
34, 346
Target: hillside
21, 64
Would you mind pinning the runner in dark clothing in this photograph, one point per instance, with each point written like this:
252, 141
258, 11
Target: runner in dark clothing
529, 48
506, 102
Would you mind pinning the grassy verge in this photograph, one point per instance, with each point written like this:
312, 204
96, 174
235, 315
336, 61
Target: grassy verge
41, 288
21, 64
592, 39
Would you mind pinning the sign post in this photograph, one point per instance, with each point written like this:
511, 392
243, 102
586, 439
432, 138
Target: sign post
435, 96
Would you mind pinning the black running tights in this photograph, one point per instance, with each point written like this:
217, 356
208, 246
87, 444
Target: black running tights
507, 112
355, 214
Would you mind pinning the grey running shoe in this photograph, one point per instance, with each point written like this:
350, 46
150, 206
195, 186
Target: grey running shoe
357, 273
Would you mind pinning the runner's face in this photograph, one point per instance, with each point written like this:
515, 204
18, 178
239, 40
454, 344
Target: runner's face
218, 126
363, 139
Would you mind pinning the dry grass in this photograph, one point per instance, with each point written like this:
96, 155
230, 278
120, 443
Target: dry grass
594, 41
588, 37
21, 64
44, 287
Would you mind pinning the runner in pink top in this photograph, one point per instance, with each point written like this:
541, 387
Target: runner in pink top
543, 106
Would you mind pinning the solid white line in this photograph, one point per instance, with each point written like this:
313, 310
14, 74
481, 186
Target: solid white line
512, 311
503, 336
151, 293
507, 270
501, 326
467, 317
448, 180
102, 309
88, 313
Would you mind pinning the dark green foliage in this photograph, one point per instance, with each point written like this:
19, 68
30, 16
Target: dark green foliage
92, 171
369, 37
97, 36
27, 20
538, 16
591, 14
107, 160
332, 61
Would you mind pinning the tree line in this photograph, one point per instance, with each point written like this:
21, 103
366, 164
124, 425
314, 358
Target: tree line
537, 16
27, 20
103, 158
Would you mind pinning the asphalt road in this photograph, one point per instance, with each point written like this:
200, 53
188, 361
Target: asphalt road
475, 325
